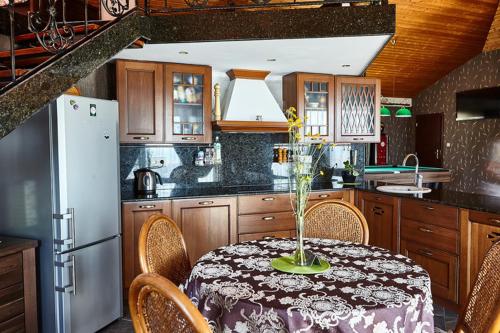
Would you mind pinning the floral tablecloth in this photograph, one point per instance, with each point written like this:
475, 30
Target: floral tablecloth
367, 289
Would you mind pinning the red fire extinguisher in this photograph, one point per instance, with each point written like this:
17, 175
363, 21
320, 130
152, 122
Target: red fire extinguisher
382, 148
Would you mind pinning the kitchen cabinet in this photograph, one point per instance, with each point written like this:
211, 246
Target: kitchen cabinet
484, 231
206, 223
18, 296
164, 102
430, 235
134, 215
188, 103
357, 109
140, 98
381, 213
313, 97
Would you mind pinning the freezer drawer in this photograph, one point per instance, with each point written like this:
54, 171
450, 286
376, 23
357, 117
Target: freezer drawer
88, 287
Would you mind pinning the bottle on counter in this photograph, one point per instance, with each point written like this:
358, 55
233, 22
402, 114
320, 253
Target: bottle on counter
200, 158
217, 151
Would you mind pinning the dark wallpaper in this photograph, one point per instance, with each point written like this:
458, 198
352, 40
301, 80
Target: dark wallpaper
474, 152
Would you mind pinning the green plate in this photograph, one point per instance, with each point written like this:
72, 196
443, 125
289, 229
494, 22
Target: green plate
285, 264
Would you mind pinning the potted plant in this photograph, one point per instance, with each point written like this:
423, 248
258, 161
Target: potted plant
350, 173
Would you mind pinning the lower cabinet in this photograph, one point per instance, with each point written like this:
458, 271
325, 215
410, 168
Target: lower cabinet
206, 223
484, 231
441, 266
134, 215
381, 213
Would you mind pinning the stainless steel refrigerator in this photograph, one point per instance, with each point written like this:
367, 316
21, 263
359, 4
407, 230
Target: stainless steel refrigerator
59, 184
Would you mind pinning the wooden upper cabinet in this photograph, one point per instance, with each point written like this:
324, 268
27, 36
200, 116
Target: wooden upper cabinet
188, 103
357, 109
206, 223
140, 98
312, 96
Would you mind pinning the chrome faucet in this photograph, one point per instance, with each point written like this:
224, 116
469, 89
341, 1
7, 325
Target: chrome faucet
418, 177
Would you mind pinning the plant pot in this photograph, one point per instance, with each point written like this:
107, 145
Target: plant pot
348, 178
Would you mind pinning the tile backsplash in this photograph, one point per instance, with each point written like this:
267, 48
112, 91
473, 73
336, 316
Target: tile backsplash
247, 159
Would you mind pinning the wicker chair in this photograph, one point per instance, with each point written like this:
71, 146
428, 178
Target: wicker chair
158, 306
336, 219
162, 249
482, 311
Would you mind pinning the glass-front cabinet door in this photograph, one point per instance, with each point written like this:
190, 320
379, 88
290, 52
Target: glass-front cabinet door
312, 95
188, 103
357, 112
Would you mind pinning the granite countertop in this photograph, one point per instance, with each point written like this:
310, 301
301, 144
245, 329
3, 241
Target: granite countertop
210, 191
443, 196
473, 201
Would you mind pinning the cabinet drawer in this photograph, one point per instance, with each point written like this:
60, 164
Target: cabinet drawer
14, 325
368, 196
431, 213
441, 266
266, 203
11, 309
10, 294
261, 235
265, 222
485, 218
430, 235
326, 195
11, 270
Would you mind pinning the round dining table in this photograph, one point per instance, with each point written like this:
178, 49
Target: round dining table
366, 289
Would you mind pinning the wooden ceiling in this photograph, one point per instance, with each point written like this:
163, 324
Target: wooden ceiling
493, 40
432, 38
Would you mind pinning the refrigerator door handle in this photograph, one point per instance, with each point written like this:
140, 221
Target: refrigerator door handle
71, 288
70, 217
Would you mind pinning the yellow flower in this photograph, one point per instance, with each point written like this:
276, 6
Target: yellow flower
321, 173
298, 136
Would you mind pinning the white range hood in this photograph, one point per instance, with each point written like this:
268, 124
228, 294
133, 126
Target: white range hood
249, 106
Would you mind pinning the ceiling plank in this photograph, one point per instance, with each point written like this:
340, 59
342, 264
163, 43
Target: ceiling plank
432, 38
493, 40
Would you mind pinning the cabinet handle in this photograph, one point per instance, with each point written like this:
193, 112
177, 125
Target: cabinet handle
147, 206
495, 221
425, 230
323, 195
205, 203
268, 218
358, 139
188, 138
429, 207
268, 199
378, 198
425, 252
141, 138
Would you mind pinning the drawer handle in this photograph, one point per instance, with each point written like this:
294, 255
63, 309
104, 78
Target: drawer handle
323, 195
429, 207
268, 218
205, 203
425, 252
188, 138
358, 139
141, 138
378, 198
147, 206
268, 199
426, 230
495, 221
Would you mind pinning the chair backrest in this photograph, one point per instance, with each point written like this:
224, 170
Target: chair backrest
162, 249
158, 306
482, 312
336, 219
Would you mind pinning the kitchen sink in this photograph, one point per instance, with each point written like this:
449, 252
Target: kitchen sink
403, 189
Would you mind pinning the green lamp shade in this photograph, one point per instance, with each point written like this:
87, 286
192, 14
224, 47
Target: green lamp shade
385, 112
403, 113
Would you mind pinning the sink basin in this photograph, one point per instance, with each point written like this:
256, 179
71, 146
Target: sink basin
403, 189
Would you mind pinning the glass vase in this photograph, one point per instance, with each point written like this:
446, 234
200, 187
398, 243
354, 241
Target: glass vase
300, 255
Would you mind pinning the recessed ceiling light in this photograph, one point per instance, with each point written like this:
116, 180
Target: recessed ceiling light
271, 59
183, 52
346, 65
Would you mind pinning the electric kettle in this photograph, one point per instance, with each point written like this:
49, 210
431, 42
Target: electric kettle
145, 180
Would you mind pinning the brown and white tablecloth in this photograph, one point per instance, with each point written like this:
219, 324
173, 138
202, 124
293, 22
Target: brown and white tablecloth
367, 289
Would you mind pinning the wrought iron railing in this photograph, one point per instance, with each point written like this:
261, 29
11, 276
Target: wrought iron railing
56, 34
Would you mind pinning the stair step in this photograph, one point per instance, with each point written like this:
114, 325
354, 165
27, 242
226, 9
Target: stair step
7, 73
37, 50
28, 62
77, 28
